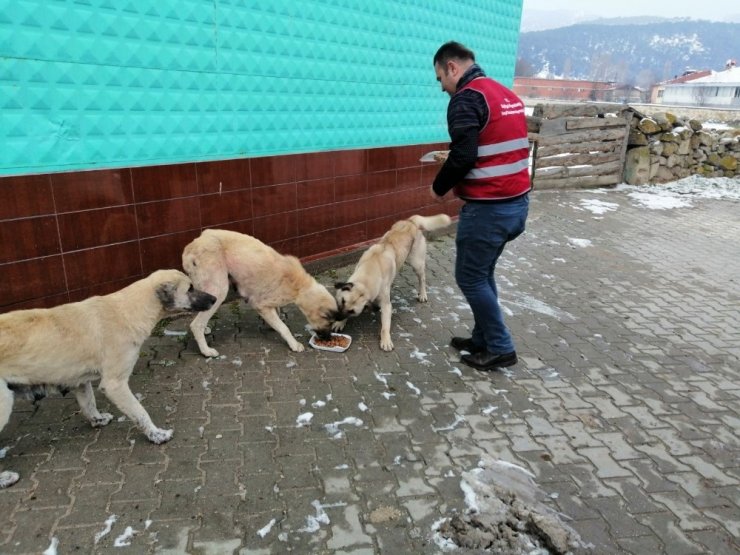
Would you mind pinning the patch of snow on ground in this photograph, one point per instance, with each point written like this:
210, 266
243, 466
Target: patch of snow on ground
421, 357
52, 549
471, 501
381, 378
262, 532
313, 523
124, 539
583, 243
106, 530
530, 303
662, 200
598, 206
678, 194
458, 420
303, 419
333, 427
696, 187
443, 543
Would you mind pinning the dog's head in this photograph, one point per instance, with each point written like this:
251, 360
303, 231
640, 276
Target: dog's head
176, 292
321, 312
352, 298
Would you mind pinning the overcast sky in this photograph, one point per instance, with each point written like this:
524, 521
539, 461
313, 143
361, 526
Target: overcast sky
713, 10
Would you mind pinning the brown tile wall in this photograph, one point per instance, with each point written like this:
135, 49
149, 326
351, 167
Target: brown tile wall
67, 236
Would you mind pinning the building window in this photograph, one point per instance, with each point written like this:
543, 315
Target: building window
737, 92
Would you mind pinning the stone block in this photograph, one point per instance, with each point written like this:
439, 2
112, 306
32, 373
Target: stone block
637, 166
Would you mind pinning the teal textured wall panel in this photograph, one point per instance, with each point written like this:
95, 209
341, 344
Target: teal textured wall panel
111, 83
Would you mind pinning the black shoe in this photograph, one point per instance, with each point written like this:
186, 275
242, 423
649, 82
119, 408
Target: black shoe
489, 361
465, 344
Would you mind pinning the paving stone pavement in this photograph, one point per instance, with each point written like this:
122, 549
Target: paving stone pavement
624, 406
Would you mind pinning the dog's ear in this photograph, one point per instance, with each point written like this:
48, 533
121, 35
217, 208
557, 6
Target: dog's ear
344, 285
166, 295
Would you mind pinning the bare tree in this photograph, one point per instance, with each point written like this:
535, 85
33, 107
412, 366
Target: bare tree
601, 67
700, 94
645, 79
568, 68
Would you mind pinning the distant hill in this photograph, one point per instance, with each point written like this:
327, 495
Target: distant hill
628, 52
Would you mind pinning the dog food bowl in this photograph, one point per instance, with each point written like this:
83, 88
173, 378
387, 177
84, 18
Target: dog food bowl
317, 344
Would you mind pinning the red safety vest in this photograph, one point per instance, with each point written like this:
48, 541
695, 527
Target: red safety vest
502, 168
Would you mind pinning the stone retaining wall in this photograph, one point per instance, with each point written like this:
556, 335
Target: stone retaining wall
664, 147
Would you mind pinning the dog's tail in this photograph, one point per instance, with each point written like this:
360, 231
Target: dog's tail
430, 223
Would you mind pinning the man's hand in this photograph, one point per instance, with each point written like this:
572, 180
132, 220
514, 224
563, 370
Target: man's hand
435, 196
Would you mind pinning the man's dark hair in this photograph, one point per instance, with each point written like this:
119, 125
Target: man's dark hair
453, 50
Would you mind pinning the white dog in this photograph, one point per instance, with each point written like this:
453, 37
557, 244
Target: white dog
100, 337
371, 282
266, 279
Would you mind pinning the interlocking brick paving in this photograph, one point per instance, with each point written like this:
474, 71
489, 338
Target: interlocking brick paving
624, 407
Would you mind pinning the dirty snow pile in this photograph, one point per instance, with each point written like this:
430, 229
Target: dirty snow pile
505, 514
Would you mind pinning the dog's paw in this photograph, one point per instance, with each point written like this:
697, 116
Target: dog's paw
209, 352
297, 347
158, 436
8, 478
338, 326
386, 344
423, 297
103, 419
207, 330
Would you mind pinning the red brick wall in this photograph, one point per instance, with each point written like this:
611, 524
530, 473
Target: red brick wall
67, 236
561, 89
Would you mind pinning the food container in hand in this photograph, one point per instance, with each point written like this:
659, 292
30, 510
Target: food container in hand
435, 156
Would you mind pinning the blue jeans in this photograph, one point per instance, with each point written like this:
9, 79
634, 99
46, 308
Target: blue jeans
482, 233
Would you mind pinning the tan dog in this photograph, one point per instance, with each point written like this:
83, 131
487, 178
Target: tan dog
266, 279
371, 282
100, 337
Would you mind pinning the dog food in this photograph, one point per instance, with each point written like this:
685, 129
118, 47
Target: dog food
338, 343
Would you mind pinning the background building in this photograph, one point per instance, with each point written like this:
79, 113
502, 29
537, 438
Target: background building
561, 89
719, 89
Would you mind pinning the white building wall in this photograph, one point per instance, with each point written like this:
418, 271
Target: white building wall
725, 95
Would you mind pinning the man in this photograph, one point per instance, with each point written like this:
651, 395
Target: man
488, 168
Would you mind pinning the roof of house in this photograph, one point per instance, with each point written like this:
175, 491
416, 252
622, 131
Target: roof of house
689, 76
731, 75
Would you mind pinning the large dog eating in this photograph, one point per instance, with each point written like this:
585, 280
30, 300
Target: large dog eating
266, 279
371, 282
